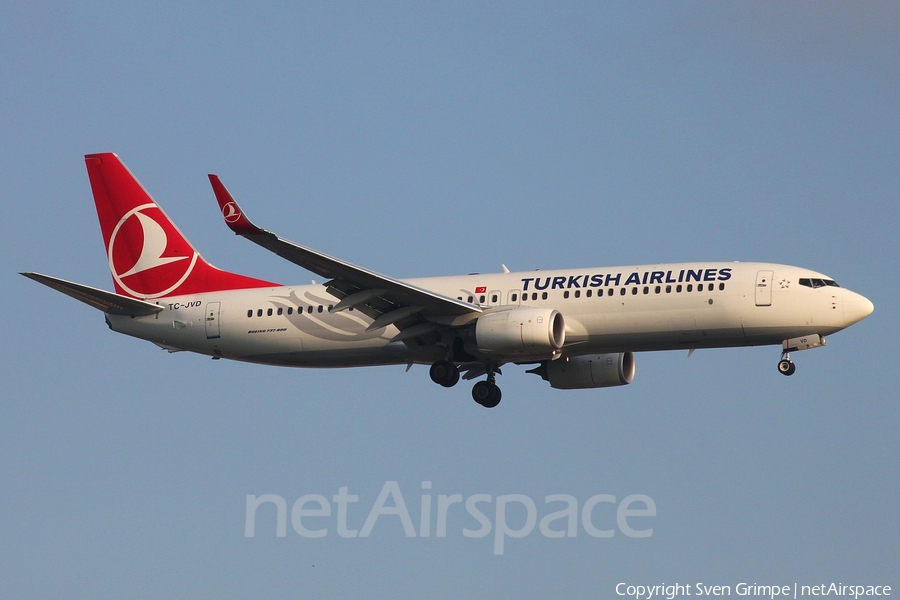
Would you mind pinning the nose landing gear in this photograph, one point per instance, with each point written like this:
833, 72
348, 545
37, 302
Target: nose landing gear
786, 366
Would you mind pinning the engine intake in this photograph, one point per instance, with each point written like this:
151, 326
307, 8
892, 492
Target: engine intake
589, 371
521, 331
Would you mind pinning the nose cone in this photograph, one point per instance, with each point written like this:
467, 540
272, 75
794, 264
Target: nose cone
857, 308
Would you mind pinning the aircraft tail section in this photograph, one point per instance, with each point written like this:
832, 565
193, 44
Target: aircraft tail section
148, 256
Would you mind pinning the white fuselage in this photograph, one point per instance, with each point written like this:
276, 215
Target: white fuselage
612, 309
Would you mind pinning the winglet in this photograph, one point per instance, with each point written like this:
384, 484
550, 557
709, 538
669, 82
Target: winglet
231, 212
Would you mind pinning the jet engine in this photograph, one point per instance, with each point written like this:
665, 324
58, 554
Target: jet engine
521, 331
589, 371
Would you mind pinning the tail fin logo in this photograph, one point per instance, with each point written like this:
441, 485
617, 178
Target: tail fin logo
231, 212
142, 260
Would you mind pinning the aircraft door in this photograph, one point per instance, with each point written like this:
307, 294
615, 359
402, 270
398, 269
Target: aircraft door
764, 288
212, 320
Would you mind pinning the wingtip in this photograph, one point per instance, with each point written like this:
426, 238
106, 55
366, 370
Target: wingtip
231, 211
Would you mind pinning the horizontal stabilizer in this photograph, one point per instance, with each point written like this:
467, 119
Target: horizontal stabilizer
108, 302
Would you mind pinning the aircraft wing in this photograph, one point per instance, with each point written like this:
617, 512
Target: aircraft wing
108, 302
388, 300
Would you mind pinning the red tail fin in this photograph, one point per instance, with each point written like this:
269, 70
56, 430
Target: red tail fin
148, 256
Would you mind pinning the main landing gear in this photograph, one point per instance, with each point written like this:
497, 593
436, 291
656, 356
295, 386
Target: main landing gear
443, 372
486, 393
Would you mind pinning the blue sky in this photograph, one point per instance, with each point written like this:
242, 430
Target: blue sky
441, 139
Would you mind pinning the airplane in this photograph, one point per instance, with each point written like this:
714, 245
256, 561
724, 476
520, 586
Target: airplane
578, 328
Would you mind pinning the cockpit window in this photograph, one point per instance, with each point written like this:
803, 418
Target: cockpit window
817, 283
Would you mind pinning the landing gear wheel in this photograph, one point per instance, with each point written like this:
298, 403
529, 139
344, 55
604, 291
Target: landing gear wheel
786, 367
444, 373
486, 394
494, 400
453, 379
481, 391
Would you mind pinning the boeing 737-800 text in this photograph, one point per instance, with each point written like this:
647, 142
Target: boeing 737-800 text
579, 328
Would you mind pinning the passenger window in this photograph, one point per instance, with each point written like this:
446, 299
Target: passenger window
320, 308
309, 309
493, 298
269, 312
515, 297
611, 291
587, 294
678, 288
471, 299
280, 311
690, 287
668, 289
577, 294
646, 290
721, 286
259, 313
481, 299
634, 291
622, 292
566, 294
657, 289
534, 296
249, 313
290, 310
544, 295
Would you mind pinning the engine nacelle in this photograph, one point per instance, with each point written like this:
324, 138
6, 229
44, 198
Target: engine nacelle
521, 331
590, 371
